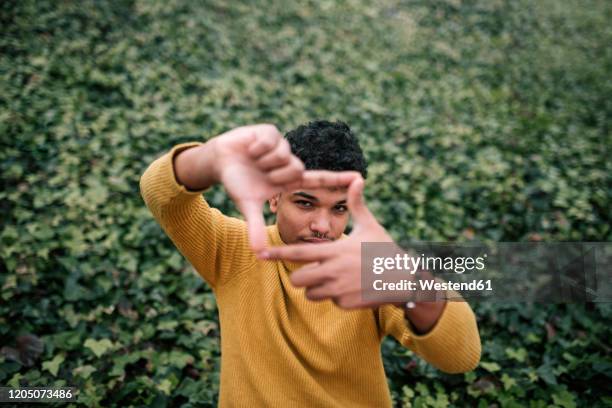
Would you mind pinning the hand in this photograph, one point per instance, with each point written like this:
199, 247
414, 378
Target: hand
334, 271
254, 163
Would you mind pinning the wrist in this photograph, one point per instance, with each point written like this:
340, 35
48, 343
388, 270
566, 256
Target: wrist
215, 158
424, 315
195, 167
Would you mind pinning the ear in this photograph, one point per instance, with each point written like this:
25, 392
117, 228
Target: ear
273, 202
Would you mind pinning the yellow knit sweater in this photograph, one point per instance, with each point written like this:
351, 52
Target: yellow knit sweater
278, 348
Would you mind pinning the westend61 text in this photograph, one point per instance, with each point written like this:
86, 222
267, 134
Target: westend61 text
406, 284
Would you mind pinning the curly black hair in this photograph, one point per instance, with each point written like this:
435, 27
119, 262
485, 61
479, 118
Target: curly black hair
324, 145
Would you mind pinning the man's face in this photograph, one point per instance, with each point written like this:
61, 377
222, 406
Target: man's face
311, 215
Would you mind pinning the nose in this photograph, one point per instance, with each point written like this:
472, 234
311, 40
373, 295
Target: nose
321, 225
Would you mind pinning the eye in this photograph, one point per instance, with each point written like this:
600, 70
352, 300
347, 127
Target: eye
304, 203
341, 208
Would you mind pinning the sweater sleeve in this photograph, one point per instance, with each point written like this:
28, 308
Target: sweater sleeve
452, 345
209, 240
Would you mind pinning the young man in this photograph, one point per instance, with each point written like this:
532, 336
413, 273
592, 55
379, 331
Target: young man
278, 347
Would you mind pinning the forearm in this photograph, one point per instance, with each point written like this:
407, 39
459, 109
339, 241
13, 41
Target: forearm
424, 315
195, 168
196, 229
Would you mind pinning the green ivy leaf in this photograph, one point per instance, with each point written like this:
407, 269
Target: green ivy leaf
564, 399
508, 381
519, 354
167, 325
53, 365
84, 371
15, 380
99, 347
490, 367
546, 373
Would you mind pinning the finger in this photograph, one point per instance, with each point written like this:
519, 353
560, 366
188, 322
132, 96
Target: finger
311, 275
320, 292
324, 178
253, 213
302, 252
291, 173
353, 301
279, 157
267, 137
334, 285
360, 212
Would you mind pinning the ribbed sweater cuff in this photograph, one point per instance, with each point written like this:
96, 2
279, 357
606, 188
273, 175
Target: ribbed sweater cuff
454, 334
168, 166
158, 184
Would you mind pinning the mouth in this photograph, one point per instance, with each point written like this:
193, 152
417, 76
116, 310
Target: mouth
315, 240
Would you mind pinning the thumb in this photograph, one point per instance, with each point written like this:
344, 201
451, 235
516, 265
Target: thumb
361, 214
253, 213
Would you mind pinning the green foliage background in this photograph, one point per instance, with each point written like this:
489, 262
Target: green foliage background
483, 120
